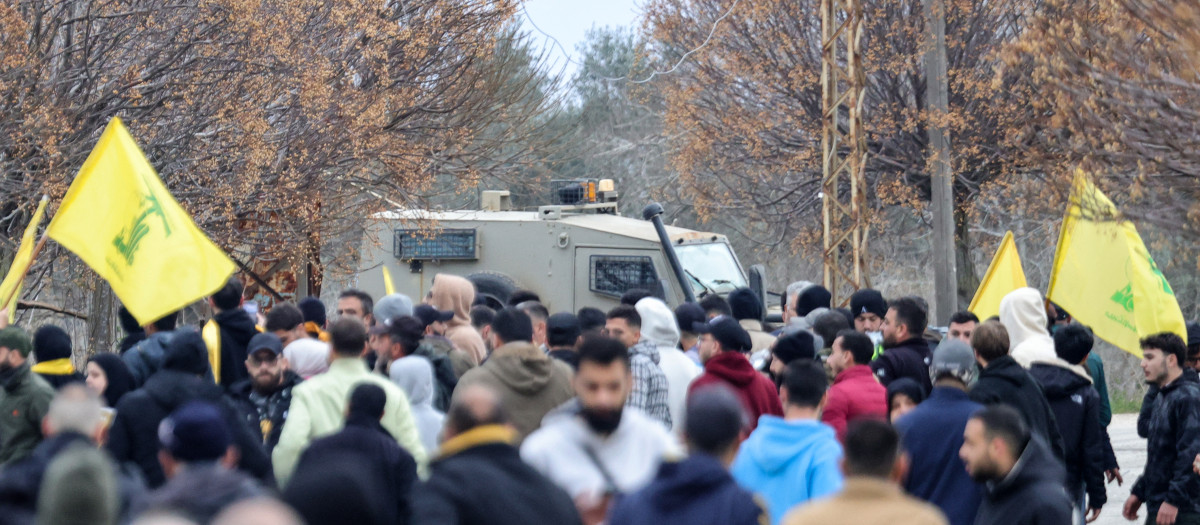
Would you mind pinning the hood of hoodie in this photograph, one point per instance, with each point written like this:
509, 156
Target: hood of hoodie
521, 367
782, 442
1036, 463
454, 293
1007, 369
646, 348
414, 374
237, 323
1059, 379
658, 323
1024, 316
732, 367
679, 483
170, 389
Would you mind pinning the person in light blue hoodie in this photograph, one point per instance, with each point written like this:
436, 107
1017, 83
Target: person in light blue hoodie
793, 459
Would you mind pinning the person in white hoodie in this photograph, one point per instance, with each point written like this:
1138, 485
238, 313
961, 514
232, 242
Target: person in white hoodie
596, 447
660, 329
1023, 314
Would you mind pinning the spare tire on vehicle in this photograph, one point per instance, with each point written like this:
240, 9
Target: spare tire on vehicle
493, 287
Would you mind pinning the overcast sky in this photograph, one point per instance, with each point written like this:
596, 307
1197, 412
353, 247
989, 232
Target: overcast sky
568, 21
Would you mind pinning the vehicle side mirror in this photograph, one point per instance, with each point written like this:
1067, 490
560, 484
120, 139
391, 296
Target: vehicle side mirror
757, 278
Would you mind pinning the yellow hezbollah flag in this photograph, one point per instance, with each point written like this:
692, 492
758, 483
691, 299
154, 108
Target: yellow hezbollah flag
121, 220
1104, 276
1003, 276
11, 287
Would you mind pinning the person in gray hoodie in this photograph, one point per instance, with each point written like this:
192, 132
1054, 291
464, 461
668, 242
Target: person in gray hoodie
529, 382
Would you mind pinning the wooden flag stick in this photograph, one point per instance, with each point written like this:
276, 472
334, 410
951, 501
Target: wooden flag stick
37, 248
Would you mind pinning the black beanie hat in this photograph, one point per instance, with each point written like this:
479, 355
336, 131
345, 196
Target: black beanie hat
51, 342
745, 304
813, 297
793, 346
186, 353
868, 301
313, 310
195, 432
1193, 333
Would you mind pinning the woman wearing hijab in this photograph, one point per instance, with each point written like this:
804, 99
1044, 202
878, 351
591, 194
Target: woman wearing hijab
109, 378
903, 395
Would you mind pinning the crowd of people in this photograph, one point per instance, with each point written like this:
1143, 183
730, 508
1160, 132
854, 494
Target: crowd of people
446, 411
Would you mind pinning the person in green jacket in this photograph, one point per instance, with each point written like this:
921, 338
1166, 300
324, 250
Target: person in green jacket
24, 397
319, 403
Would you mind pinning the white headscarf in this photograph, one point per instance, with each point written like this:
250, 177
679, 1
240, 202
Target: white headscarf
307, 356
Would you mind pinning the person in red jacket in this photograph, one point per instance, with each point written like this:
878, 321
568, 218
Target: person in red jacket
723, 348
855, 392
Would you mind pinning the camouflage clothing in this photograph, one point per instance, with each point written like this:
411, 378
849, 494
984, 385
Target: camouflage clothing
1172, 444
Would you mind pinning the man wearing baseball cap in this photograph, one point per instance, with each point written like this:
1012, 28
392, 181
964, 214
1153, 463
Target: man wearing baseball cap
264, 398
932, 434
25, 398
723, 348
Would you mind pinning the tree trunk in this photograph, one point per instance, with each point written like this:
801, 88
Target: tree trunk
968, 279
100, 319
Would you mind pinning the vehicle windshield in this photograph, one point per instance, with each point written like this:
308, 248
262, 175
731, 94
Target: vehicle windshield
710, 268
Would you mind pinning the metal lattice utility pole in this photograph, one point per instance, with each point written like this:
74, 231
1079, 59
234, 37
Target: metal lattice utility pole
843, 149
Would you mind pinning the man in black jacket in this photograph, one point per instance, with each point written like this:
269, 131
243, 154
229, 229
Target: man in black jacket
1076, 406
133, 435
1003, 381
1024, 481
1190, 374
479, 476
392, 469
1168, 487
227, 334
265, 397
905, 352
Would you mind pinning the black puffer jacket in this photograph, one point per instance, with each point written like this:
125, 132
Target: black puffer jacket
1076, 407
1003, 381
1031, 494
133, 436
907, 359
1143, 422
1172, 443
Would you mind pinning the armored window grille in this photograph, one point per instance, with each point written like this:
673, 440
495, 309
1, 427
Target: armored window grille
614, 275
427, 245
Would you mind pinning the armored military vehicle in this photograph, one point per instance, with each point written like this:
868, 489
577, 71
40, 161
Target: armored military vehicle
574, 253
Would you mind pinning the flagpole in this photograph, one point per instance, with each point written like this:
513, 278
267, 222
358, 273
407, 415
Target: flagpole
37, 248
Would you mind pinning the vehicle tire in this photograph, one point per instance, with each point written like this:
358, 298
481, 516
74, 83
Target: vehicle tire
494, 287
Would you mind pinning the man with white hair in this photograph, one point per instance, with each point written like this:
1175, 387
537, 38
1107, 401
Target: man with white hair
789, 298
75, 419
